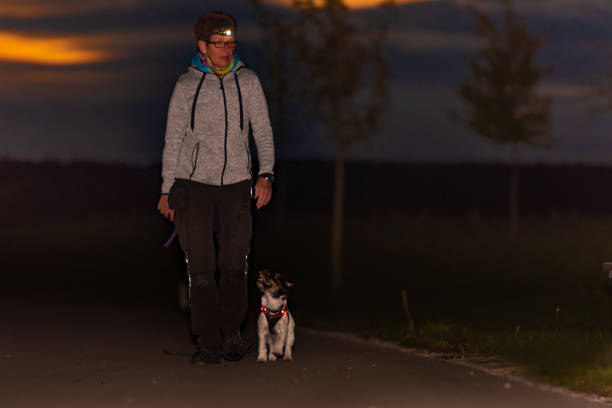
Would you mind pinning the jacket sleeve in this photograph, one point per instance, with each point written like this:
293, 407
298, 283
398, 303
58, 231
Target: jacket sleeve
260, 124
176, 124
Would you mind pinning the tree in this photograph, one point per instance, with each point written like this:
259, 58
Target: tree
501, 98
340, 70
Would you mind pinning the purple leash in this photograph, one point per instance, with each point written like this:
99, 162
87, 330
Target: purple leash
172, 236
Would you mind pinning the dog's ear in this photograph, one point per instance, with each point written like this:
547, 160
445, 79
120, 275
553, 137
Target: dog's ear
260, 275
289, 283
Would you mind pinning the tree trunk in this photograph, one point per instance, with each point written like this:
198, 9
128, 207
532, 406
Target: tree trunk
337, 219
514, 190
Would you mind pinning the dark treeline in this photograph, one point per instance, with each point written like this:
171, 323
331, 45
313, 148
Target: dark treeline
451, 189
49, 190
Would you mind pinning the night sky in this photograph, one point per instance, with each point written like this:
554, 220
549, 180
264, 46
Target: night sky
91, 80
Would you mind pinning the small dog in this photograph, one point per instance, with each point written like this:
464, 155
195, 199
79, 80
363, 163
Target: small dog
275, 327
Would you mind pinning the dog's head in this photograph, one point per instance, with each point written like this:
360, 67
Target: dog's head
273, 284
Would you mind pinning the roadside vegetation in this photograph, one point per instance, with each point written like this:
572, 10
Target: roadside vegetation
539, 299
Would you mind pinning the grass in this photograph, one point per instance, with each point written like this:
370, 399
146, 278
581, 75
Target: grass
471, 289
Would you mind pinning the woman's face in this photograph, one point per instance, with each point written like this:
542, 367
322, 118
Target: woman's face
218, 57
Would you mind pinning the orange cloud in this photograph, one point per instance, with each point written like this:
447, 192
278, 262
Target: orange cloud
354, 4
45, 8
46, 50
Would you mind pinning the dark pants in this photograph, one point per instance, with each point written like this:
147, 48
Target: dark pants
220, 215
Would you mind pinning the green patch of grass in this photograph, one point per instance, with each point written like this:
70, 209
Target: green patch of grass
596, 379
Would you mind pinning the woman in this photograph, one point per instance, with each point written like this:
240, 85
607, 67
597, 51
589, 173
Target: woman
207, 180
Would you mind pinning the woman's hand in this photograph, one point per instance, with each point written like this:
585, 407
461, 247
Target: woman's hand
164, 208
263, 192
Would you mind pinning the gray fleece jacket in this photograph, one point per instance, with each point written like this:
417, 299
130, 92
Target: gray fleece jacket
209, 142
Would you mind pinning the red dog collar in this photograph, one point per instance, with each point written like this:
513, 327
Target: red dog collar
274, 315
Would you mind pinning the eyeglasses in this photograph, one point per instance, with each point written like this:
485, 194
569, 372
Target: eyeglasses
223, 44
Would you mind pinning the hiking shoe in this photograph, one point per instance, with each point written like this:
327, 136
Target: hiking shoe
232, 347
206, 355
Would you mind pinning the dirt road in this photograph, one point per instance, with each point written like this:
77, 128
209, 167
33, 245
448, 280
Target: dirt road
60, 355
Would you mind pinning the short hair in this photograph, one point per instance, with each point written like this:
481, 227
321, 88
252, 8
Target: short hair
213, 22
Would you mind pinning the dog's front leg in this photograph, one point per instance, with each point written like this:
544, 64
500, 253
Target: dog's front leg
290, 339
262, 332
280, 338
270, 340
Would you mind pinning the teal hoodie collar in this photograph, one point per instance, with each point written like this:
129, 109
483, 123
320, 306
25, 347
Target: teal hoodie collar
196, 62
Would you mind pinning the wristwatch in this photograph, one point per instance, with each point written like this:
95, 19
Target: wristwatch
269, 177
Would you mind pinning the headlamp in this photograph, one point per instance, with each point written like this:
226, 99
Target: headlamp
226, 32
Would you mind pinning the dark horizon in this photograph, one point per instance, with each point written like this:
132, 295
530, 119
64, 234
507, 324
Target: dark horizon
54, 191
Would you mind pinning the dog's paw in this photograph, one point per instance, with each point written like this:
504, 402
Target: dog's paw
262, 359
271, 357
287, 357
